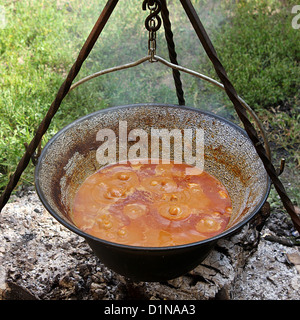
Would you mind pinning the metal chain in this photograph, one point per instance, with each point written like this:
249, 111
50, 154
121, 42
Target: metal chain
152, 42
152, 24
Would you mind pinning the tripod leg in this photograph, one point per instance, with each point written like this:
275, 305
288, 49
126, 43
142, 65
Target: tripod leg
210, 51
62, 92
172, 52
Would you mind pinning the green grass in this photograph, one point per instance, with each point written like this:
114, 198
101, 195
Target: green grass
261, 52
254, 39
31, 69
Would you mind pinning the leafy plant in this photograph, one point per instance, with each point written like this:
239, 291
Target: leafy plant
260, 51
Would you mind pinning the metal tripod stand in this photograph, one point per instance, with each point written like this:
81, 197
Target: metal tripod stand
210, 51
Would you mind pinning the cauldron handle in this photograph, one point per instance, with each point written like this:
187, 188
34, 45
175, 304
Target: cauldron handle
182, 69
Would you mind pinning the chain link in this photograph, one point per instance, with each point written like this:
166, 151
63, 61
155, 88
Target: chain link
152, 43
152, 24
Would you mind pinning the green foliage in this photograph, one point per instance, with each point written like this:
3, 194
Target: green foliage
35, 52
260, 51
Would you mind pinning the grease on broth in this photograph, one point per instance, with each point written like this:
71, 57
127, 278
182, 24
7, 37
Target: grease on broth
151, 205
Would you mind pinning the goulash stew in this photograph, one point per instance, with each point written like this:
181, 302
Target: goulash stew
151, 205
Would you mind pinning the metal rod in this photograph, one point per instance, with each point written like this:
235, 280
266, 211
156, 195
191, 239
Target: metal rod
172, 53
109, 70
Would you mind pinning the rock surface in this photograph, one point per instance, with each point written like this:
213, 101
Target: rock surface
41, 259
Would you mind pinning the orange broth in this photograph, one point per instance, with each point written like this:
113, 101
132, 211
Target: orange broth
151, 205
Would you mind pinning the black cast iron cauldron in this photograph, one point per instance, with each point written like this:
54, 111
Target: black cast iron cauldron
70, 157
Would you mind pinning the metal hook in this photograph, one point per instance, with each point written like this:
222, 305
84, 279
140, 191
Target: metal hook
153, 16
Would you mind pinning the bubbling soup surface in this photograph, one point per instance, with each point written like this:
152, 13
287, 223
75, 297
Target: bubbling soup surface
151, 205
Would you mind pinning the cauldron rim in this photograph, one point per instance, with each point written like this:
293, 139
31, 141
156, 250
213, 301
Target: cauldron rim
87, 236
